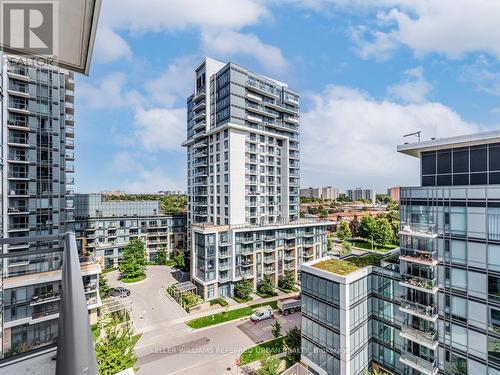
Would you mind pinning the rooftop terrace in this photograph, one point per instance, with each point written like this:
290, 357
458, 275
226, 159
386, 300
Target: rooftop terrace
346, 266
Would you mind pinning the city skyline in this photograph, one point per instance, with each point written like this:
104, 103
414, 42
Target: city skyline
132, 107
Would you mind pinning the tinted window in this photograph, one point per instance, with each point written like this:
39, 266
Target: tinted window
494, 158
461, 179
477, 160
444, 162
460, 161
444, 179
428, 180
494, 178
478, 178
429, 163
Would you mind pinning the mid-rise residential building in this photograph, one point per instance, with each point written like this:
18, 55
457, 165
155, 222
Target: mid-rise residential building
243, 180
38, 165
105, 226
359, 194
326, 193
446, 286
351, 318
394, 192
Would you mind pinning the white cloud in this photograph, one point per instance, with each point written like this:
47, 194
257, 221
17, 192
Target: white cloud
109, 46
413, 88
109, 93
360, 135
230, 43
175, 83
161, 128
145, 179
484, 75
450, 27
171, 15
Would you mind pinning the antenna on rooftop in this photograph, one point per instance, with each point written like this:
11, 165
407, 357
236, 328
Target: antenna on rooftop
411, 134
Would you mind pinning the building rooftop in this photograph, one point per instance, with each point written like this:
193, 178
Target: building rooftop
416, 148
346, 266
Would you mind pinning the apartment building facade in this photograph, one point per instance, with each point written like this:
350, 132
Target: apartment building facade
450, 254
449, 266
351, 318
104, 227
326, 193
359, 194
243, 174
37, 200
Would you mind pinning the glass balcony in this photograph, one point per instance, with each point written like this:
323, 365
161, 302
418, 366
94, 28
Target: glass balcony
424, 337
419, 364
426, 312
419, 230
426, 258
419, 283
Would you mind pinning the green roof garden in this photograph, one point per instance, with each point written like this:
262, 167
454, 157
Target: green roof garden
346, 266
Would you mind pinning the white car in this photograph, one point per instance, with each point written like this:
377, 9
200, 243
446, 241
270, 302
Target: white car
263, 313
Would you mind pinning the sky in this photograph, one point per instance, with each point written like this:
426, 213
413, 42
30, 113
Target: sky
368, 71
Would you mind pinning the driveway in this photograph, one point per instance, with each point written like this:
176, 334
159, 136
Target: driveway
179, 349
150, 306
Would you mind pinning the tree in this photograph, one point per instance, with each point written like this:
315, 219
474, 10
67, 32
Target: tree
276, 329
367, 227
161, 256
180, 260
103, 286
266, 286
243, 289
288, 281
323, 213
343, 231
115, 350
329, 244
291, 343
354, 227
383, 231
269, 365
395, 232
346, 248
133, 264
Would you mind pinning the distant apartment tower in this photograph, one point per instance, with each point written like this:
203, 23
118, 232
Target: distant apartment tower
394, 192
104, 227
359, 194
326, 193
243, 180
38, 160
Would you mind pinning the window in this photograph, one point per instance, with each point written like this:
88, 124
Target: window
428, 163
477, 159
460, 160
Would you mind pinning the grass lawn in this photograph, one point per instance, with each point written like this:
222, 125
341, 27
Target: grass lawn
364, 244
257, 352
227, 316
133, 280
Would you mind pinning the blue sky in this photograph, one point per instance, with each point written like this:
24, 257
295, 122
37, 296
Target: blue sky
368, 72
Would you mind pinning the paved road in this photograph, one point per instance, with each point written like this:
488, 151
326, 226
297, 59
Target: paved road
149, 304
181, 350
168, 346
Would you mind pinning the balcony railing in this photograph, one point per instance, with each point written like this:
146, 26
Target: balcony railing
427, 312
420, 364
427, 338
420, 283
417, 256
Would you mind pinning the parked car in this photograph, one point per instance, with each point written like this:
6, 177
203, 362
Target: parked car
119, 292
262, 313
289, 306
